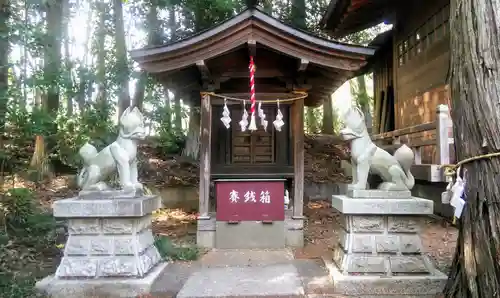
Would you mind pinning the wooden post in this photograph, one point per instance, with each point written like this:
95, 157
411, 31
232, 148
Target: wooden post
205, 153
298, 158
442, 136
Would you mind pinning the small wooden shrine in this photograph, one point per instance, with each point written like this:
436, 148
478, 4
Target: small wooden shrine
252, 60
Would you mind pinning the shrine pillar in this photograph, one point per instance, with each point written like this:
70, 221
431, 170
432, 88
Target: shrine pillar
295, 223
206, 222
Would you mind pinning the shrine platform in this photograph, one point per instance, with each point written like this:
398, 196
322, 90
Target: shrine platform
245, 273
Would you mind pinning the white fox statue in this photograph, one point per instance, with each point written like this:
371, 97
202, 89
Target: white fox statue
367, 157
119, 156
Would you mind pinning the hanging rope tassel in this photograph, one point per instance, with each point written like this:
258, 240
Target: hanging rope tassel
253, 124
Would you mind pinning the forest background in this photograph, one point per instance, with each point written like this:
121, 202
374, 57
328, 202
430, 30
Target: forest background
66, 76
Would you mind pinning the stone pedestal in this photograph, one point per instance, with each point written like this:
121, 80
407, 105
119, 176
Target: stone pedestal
250, 234
380, 250
110, 250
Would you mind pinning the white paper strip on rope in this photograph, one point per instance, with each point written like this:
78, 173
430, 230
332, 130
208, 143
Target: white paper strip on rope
226, 115
278, 123
262, 116
244, 118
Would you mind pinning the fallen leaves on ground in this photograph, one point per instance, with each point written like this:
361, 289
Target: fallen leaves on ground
177, 224
321, 234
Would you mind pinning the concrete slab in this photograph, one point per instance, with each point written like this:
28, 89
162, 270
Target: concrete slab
170, 281
378, 194
395, 286
409, 206
269, 281
54, 287
315, 277
246, 257
97, 208
250, 234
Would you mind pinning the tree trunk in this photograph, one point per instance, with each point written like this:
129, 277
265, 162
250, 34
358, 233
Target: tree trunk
68, 62
154, 38
192, 148
4, 62
364, 101
298, 13
49, 101
312, 123
268, 6
140, 90
101, 55
39, 160
24, 58
168, 106
177, 112
121, 58
475, 93
52, 56
327, 116
84, 85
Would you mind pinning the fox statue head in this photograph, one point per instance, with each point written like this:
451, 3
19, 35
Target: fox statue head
354, 124
132, 124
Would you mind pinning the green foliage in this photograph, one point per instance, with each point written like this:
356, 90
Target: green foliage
93, 125
17, 206
170, 139
170, 252
27, 232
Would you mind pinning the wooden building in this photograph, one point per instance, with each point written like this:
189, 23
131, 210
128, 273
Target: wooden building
410, 69
214, 63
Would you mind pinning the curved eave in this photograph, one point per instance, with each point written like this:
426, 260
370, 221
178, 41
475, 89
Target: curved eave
252, 25
344, 17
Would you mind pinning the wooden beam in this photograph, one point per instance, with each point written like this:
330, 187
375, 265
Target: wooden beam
298, 158
303, 65
302, 87
204, 71
205, 156
261, 73
252, 47
209, 84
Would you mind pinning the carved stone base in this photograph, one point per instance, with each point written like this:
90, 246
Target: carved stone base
220, 235
110, 194
108, 240
380, 249
54, 287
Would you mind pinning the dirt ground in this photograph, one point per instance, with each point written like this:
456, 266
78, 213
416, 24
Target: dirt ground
321, 234
439, 237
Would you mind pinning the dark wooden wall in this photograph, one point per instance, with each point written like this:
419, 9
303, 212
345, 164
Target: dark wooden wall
243, 155
382, 83
420, 63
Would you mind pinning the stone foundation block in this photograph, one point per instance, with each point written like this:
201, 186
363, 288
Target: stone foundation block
380, 247
294, 231
54, 287
378, 194
109, 239
250, 234
205, 234
393, 206
363, 285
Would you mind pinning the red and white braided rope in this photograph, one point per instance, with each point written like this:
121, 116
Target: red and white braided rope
252, 95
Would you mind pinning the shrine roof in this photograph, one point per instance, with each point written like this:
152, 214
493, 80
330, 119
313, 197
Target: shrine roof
344, 17
286, 57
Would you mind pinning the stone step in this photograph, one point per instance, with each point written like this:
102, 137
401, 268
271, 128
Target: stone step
246, 257
281, 280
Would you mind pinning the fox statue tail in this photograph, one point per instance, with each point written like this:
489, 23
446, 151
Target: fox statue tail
87, 153
405, 156
82, 177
